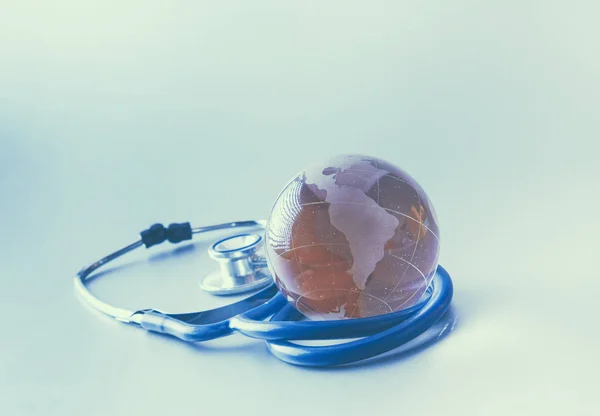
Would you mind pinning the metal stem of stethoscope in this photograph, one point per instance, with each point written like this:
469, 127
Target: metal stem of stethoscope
239, 264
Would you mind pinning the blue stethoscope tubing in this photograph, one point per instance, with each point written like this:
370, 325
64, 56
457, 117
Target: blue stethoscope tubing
267, 315
402, 327
378, 334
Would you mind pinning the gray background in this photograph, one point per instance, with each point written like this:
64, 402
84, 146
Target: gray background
115, 115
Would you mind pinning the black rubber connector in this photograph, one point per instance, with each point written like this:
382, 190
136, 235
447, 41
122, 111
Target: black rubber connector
177, 233
158, 234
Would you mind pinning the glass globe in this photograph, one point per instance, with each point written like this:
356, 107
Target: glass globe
352, 237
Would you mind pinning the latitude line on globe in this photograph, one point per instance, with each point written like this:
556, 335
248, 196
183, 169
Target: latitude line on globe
387, 209
410, 264
420, 272
387, 175
309, 245
352, 291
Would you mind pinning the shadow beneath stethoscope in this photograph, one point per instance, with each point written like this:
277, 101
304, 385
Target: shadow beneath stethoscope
232, 344
428, 339
177, 252
238, 344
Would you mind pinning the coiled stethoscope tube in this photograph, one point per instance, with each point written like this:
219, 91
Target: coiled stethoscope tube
377, 334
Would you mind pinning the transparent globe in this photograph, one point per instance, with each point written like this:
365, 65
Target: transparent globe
352, 237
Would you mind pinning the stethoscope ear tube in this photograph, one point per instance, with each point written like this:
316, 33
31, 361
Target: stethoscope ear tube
372, 345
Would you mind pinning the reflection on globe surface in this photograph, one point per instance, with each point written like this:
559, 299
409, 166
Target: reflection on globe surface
353, 237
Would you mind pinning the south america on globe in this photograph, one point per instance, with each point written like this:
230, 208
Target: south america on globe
352, 237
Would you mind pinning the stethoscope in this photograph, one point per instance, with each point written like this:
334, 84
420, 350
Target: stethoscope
267, 315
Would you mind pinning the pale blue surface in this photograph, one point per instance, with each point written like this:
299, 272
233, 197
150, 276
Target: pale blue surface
115, 116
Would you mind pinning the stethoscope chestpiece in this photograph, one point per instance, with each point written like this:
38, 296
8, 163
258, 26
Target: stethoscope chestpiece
241, 269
